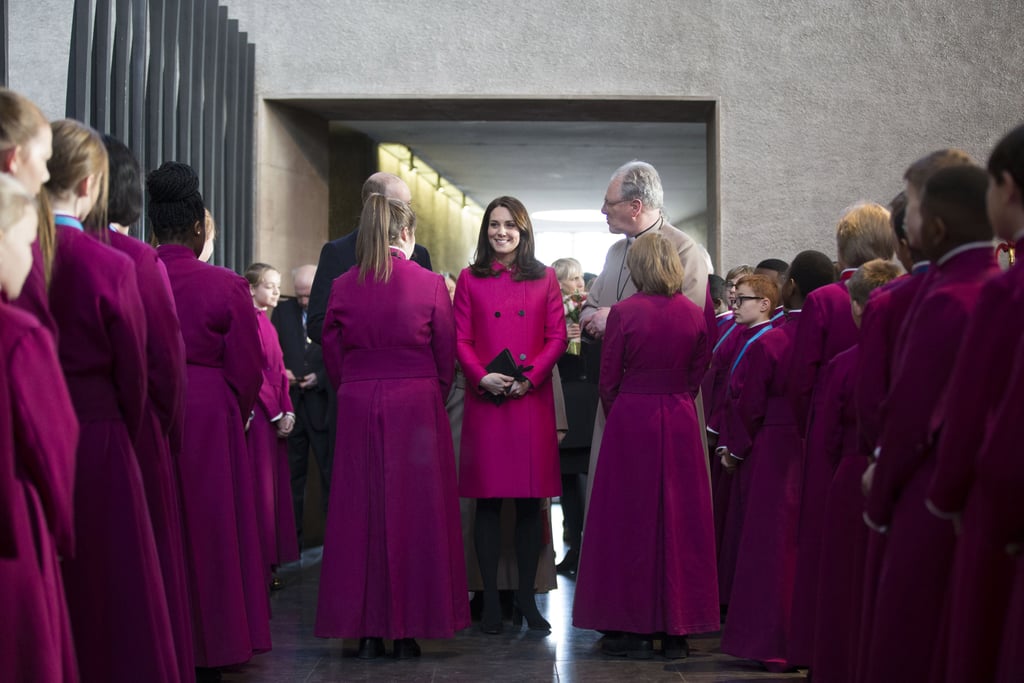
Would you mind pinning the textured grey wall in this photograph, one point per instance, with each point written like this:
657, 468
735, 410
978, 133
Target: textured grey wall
822, 103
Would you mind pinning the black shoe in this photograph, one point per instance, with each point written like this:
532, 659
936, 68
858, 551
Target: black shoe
628, 645
534, 620
406, 648
490, 618
207, 674
675, 647
276, 583
370, 648
570, 563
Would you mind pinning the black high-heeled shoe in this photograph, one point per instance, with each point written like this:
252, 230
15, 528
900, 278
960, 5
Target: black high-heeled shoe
534, 620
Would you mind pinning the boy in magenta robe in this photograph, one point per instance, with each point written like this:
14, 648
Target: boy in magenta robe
956, 236
844, 536
980, 411
763, 432
824, 329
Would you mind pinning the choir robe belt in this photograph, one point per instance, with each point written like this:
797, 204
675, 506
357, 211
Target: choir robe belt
94, 397
654, 381
360, 365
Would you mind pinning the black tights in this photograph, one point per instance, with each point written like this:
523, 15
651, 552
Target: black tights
487, 537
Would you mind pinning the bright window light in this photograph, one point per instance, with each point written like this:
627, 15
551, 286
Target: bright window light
569, 216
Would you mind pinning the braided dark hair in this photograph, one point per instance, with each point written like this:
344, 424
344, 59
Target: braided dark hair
174, 201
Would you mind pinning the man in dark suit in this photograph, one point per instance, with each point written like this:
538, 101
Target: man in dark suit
338, 256
310, 394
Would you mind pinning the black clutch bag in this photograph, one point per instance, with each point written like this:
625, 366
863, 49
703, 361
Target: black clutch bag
504, 364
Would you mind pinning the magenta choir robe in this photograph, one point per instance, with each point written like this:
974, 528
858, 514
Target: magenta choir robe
884, 315
114, 582
763, 432
713, 386
844, 535
269, 454
33, 297
38, 438
978, 388
224, 558
727, 510
393, 562
164, 411
648, 556
825, 328
912, 583
509, 450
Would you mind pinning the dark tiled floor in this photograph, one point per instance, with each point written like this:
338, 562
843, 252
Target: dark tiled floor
567, 654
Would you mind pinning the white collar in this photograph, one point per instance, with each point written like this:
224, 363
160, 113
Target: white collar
970, 246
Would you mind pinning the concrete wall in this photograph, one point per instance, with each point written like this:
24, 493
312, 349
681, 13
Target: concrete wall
292, 187
822, 103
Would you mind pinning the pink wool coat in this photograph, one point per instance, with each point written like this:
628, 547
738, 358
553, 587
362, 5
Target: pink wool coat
509, 450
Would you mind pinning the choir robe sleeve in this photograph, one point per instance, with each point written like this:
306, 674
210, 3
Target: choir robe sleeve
807, 359
748, 389
126, 325
919, 381
442, 338
45, 431
977, 386
270, 398
872, 382
833, 404
556, 338
243, 357
165, 347
613, 360
1000, 457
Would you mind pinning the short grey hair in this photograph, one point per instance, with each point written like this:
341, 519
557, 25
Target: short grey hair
641, 181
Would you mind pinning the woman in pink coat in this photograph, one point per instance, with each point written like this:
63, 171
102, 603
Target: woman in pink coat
272, 422
393, 563
230, 606
648, 560
507, 301
38, 435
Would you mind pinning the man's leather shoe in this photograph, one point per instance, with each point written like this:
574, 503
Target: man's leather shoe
628, 645
370, 648
406, 648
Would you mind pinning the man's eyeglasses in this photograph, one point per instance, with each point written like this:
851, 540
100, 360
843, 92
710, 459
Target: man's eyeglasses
610, 204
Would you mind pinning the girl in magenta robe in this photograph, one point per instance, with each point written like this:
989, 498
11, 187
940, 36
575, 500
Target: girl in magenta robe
114, 584
648, 559
230, 606
272, 422
165, 394
507, 300
26, 143
38, 435
393, 563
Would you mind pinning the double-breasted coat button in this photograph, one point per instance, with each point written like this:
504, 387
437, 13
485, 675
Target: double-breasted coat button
522, 356
497, 314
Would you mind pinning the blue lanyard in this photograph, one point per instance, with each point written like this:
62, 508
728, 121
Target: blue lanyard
744, 349
778, 315
722, 338
69, 221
